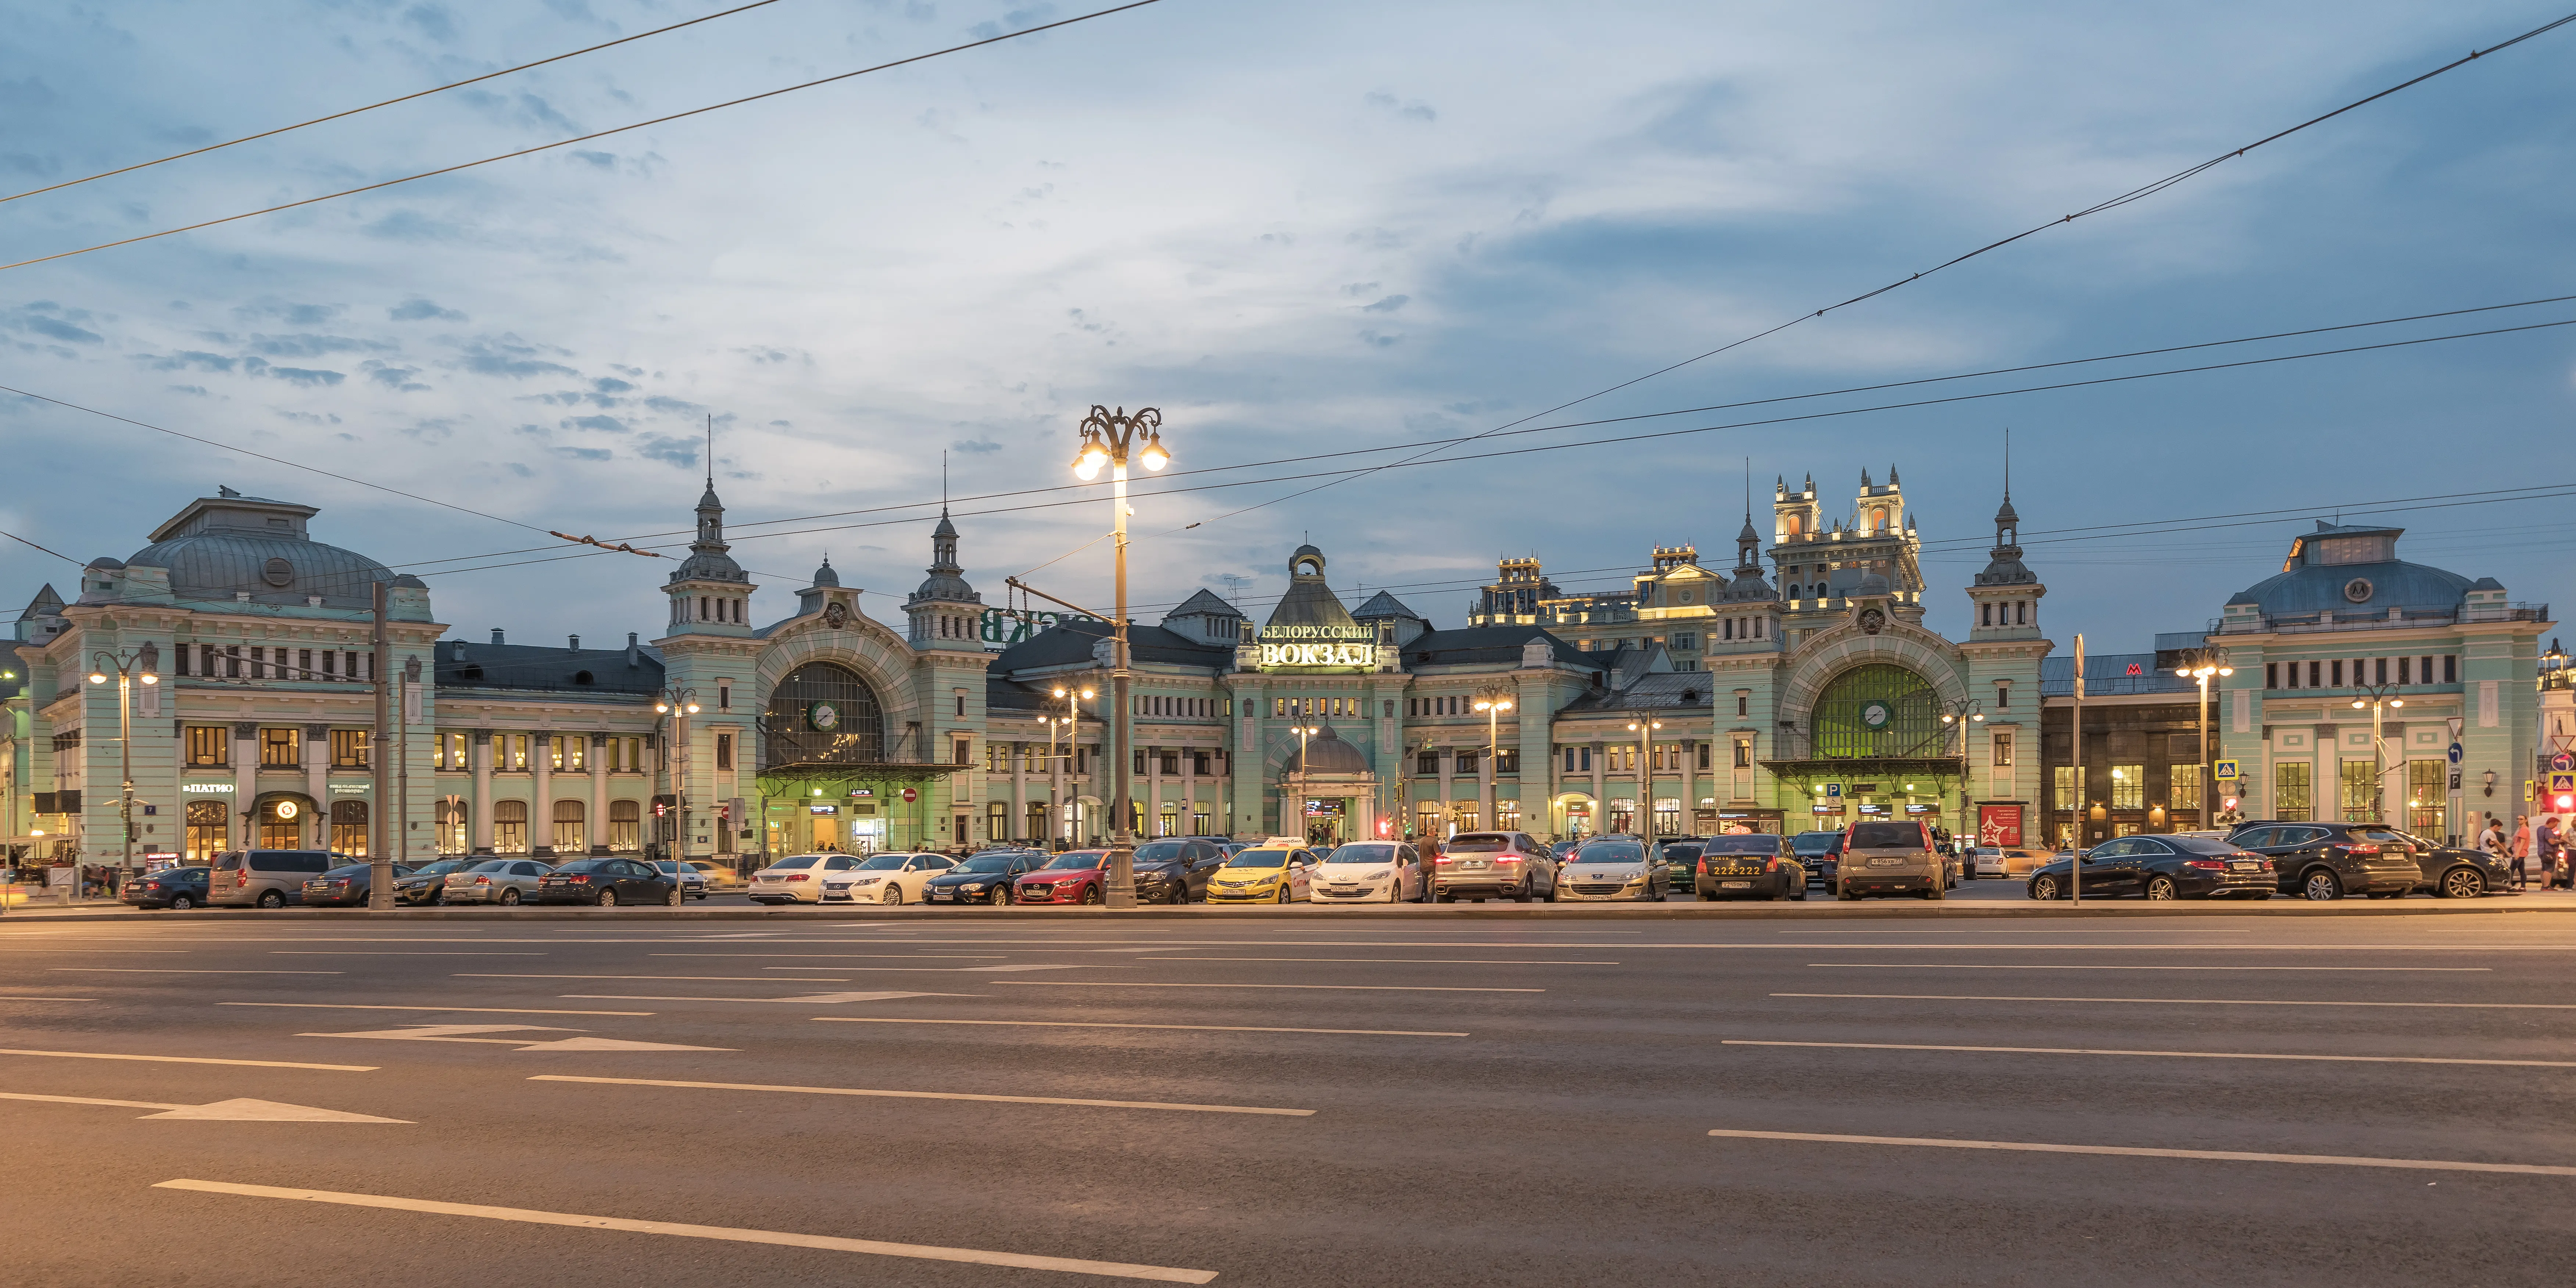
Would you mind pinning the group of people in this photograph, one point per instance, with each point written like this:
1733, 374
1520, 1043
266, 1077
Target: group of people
2544, 847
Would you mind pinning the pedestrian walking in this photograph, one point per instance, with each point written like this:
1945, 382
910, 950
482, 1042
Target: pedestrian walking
2545, 849
2521, 849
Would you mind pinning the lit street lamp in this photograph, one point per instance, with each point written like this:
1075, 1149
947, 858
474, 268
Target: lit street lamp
142, 664
679, 704
1645, 731
1107, 437
2377, 700
1960, 715
1059, 823
2205, 665
1493, 705
1303, 733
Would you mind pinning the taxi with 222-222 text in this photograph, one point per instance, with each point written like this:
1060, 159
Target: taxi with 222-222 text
1263, 874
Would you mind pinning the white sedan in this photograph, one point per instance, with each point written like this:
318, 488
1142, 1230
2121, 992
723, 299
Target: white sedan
798, 878
886, 878
1368, 872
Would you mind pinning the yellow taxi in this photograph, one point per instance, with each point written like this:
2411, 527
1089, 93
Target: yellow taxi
1267, 873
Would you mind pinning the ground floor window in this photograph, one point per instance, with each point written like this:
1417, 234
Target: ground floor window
1623, 818
2290, 791
1668, 818
2186, 787
2360, 804
997, 820
1507, 816
1037, 821
510, 827
1426, 819
349, 828
2427, 789
1199, 823
570, 829
281, 826
625, 824
2128, 787
1170, 821
208, 830
449, 834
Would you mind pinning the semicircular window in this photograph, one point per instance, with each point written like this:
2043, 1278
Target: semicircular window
1878, 711
823, 714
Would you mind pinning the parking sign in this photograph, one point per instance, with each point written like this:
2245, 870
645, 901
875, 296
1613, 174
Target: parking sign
1833, 791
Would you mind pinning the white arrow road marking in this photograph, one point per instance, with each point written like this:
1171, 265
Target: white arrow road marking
817, 999
930, 1095
194, 1059
460, 1032
2220, 1155
229, 1111
778, 1238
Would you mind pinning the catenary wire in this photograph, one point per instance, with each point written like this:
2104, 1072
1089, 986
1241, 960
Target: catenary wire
435, 89
596, 134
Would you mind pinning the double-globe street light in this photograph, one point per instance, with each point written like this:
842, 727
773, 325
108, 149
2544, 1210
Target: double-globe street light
1959, 715
1108, 438
2201, 666
142, 664
1493, 704
1059, 822
1304, 828
2378, 700
679, 704
1644, 820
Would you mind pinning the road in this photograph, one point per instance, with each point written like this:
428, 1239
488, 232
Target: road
1429, 1100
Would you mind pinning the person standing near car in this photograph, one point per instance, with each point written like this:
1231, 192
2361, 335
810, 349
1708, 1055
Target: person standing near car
2492, 842
2545, 845
2522, 848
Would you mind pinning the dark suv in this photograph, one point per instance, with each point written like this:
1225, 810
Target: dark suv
1822, 853
2445, 870
1176, 870
2331, 860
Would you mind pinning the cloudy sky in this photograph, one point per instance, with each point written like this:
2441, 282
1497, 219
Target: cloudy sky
1297, 229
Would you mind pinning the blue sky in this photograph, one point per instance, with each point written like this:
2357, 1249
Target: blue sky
1296, 229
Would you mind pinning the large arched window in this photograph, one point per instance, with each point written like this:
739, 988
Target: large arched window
510, 827
569, 838
823, 714
624, 820
450, 837
1878, 710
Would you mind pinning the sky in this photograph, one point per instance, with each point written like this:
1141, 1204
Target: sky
1293, 229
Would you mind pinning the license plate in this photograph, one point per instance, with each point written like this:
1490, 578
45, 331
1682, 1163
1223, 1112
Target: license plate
1472, 863
1734, 885
1886, 861
2246, 867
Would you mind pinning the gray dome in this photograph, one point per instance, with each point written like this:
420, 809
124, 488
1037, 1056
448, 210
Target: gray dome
2323, 574
1328, 754
215, 565
824, 576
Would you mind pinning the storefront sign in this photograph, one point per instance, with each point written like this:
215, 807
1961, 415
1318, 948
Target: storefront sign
206, 789
1999, 825
822, 809
1324, 809
352, 789
1916, 807
1872, 809
1002, 629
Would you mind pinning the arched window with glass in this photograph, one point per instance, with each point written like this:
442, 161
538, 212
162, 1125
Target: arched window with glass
1876, 711
569, 838
449, 835
625, 826
824, 714
510, 827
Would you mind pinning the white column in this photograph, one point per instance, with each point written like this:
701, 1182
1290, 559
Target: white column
595, 829
245, 783
482, 821
1153, 791
1019, 787
317, 781
541, 810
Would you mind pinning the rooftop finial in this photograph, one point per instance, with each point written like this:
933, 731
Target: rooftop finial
2007, 462
711, 451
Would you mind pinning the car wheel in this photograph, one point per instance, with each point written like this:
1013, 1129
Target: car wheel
1847, 895
606, 899
1001, 896
1800, 894
1283, 893
2458, 883
272, 899
181, 903
510, 897
893, 895
2043, 888
2162, 888
1943, 893
2321, 885
1091, 894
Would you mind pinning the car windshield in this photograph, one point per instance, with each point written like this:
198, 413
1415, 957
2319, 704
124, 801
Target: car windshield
445, 866
1372, 852
2200, 845
1259, 859
1478, 843
1611, 852
668, 865
2389, 836
1162, 852
1880, 836
1079, 859
1813, 842
1754, 844
801, 861
353, 870
884, 863
985, 863
586, 865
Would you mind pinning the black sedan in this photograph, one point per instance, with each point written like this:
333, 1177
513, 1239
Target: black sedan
427, 884
607, 883
2159, 867
345, 887
985, 878
180, 888
1175, 871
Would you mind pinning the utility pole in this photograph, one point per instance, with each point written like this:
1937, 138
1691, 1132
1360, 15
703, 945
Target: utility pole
2083, 806
380, 862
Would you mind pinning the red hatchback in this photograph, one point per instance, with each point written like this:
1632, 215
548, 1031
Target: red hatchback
1075, 876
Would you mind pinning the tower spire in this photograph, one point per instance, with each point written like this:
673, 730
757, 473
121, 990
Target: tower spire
711, 451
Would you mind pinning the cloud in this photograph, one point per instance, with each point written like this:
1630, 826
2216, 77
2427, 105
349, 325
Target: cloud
602, 424
189, 359
602, 160
610, 385
56, 328
306, 376
585, 453
413, 226
398, 379
44, 167
510, 356
975, 446
1375, 339
197, 390
431, 20
1416, 110
1013, 20
675, 451
1388, 305
672, 406
287, 312
313, 346
417, 309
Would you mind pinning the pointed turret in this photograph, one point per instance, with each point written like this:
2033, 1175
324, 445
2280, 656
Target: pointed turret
946, 612
709, 592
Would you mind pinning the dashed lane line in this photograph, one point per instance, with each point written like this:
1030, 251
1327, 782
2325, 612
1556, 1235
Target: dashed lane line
1335, 988
1084, 1024
1407, 961
2216, 1155
2411, 970
17, 998
777, 1238
470, 1010
373, 952
2194, 1001
809, 999
729, 979
2179, 1055
87, 1100
192, 1059
930, 1095
173, 970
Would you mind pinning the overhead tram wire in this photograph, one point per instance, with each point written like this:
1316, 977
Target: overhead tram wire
596, 134
435, 89
2139, 193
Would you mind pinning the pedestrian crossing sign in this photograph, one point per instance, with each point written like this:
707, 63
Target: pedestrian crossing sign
2227, 771
2561, 784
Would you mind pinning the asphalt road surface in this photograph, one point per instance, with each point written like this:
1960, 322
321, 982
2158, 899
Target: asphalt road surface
635, 1100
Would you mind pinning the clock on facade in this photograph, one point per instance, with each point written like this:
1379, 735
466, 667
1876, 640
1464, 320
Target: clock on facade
823, 716
1875, 714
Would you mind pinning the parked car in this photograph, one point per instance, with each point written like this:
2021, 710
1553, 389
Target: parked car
1890, 857
1075, 876
266, 878
507, 882
1561, 849
894, 878
180, 888
346, 886
427, 883
1821, 854
1681, 860
721, 878
2444, 870
693, 883
1494, 865
2330, 860
1266, 873
986, 878
1751, 866
1175, 869
798, 878
607, 882
2159, 867
2008, 861
1614, 867
1368, 872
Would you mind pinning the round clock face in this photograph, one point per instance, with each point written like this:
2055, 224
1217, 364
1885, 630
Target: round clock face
823, 716
1875, 714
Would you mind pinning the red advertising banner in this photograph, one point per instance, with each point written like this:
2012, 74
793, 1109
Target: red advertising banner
1999, 825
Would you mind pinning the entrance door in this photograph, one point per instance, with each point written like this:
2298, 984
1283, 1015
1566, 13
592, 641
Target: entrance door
826, 834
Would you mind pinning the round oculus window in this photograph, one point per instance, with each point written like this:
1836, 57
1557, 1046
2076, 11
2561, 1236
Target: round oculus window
2358, 590
277, 572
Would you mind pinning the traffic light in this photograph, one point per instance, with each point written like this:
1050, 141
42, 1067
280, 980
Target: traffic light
661, 809
2229, 804
1385, 828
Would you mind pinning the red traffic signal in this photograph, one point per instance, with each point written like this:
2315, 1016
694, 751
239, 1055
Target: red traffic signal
2566, 801
2229, 803
661, 810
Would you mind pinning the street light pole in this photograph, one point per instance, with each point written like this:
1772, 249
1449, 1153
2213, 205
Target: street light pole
2377, 701
1961, 714
1303, 733
1061, 823
1106, 437
143, 664
2205, 665
1493, 705
1645, 731
679, 704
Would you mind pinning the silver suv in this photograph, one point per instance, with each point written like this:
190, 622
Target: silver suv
1890, 858
1493, 865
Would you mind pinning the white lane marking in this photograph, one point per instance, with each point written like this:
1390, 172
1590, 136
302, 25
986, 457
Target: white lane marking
87, 1100
371, 952
18, 998
1080, 1024
462, 1010
2032, 930
2180, 1055
174, 970
266, 1111
2412, 970
459, 1032
2219, 1155
729, 979
193, 1059
1410, 961
120, 952
876, 1247
931, 1095
810, 999
2196, 1001
1334, 988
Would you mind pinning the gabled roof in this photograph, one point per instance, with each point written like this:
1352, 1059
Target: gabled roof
1472, 644
1203, 604
1383, 604
537, 666
47, 603
1657, 691
1070, 644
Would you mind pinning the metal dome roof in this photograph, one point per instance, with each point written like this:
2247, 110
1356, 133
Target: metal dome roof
2321, 575
1326, 753
220, 547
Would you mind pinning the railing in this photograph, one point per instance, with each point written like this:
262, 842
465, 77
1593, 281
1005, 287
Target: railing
2326, 621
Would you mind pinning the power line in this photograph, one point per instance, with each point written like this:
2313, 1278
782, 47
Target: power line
55, 553
598, 134
435, 89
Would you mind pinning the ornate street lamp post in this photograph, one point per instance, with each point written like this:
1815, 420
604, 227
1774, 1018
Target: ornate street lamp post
1060, 823
1493, 704
1303, 733
679, 704
2201, 667
1645, 730
2378, 701
1959, 715
141, 664
1107, 437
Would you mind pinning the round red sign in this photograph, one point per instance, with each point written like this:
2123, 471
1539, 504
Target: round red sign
909, 796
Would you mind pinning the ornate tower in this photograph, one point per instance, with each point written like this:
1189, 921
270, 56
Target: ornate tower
709, 593
2006, 595
945, 611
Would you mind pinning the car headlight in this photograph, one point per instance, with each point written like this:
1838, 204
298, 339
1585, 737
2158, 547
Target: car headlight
1379, 876
976, 887
867, 880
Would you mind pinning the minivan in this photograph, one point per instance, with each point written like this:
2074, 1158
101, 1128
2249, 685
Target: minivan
1890, 858
265, 878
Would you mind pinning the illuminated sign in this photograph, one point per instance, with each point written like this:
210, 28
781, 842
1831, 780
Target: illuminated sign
1351, 654
195, 789
1002, 628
